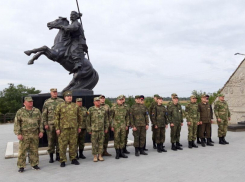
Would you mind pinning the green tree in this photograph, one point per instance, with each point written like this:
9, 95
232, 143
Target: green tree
108, 101
148, 101
11, 97
130, 101
212, 96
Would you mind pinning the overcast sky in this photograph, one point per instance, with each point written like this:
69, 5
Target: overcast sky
137, 46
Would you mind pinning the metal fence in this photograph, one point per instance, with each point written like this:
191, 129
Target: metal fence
7, 118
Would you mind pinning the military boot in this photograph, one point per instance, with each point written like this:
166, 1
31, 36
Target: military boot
209, 143
154, 144
81, 154
74, 161
203, 142
221, 141
193, 144
117, 154
198, 140
178, 146
225, 140
190, 144
125, 150
51, 160
173, 147
21, 170
62, 164
57, 157
159, 148
122, 154
95, 158
142, 152
105, 153
137, 151
145, 149
100, 158
162, 147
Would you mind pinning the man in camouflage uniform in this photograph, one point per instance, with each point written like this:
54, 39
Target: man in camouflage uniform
49, 107
223, 115
159, 116
192, 117
68, 123
82, 134
28, 127
175, 116
119, 119
97, 126
140, 123
153, 104
206, 116
127, 131
207, 97
106, 107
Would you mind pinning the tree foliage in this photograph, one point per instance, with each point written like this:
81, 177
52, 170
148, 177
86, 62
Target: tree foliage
212, 96
11, 97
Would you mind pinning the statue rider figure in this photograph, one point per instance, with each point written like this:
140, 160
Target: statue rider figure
77, 43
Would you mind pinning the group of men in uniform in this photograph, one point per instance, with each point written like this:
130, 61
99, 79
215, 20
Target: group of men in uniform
67, 123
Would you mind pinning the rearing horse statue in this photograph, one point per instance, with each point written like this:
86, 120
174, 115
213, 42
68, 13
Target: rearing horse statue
85, 77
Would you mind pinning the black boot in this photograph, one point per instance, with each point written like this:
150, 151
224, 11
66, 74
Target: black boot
51, 160
198, 140
142, 152
173, 147
193, 144
225, 140
154, 145
162, 147
74, 161
159, 148
211, 140
117, 154
221, 141
125, 150
57, 157
137, 151
122, 154
81, 154
62, 164
190, 144
209, 143
178, 146
203, 142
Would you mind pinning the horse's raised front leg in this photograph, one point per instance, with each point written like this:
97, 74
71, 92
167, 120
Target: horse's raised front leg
43, 48
35, 57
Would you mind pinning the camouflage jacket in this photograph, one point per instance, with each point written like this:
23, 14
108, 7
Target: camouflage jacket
49, 106
26, 120
119, 116
139, 115
159, 116
97, 119
68, 115
128, 110
191, 112
175, 113
153, 104
106, 107
84, 113
206, 113
221, 110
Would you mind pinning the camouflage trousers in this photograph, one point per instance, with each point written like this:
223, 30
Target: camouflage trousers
106, 139
126, 136
81, 139
52, 139
205, 128
153, 133
119, 137
29, 144
97, 139
175, 132
192, 131
139, 136
160, 135
68, 136
222, 128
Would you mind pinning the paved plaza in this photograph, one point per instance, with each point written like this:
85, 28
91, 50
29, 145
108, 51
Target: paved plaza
205, 164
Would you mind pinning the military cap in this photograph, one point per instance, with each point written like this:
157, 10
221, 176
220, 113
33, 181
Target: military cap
221, 95
137, 97
79, 100
174, 94
204, 95
96, 98
159, 97
142, 97
53, 90
67, 93
120, 97
175, 97
207, 95
102, 96
123, 96
28, 99
193, 97
156, 95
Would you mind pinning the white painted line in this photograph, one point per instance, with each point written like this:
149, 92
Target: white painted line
9, 150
